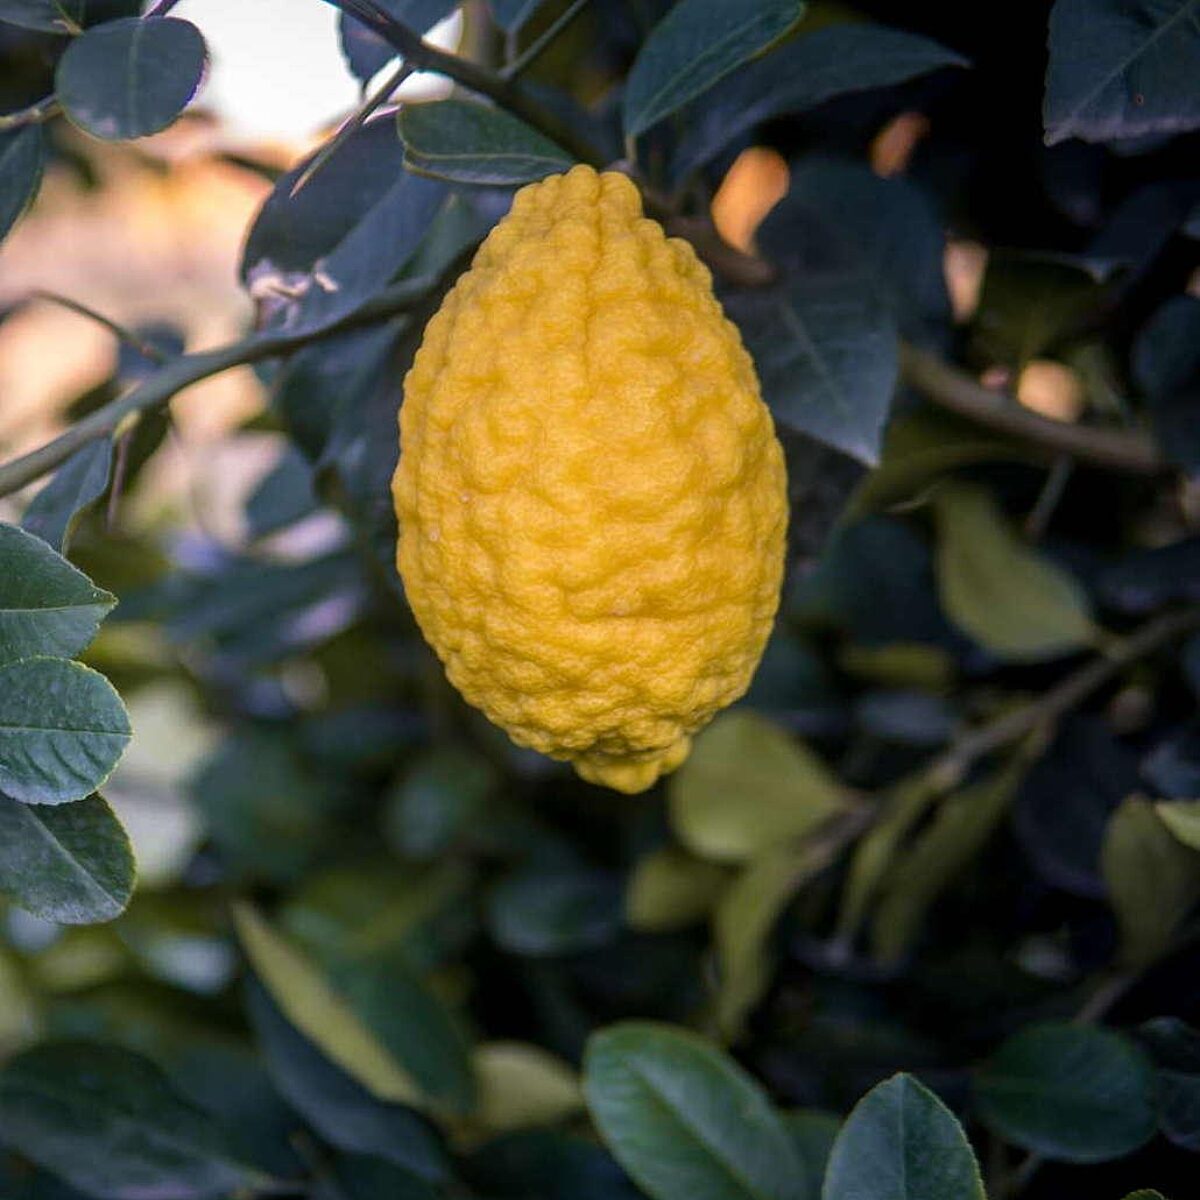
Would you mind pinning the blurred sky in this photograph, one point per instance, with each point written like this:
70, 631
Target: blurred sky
277, 72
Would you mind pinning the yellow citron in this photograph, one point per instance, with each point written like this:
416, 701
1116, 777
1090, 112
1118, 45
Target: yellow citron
591, 497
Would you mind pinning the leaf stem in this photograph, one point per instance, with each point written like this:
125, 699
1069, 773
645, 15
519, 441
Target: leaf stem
143, 347
187, 369
534, 50
504, 92
353, 123
35, 114
948, 769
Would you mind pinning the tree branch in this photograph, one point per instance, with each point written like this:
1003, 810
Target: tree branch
415, 50
35, 114
949, 768
954, 389
187, 369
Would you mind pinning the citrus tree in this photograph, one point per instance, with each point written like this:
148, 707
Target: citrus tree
915, 918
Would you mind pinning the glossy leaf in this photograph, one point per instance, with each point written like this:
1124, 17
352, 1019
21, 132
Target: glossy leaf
22, 159
825, 350
314, 257
1152, 878
523, 1086
1182, 818
1009, 598
839, 218
747, 787
132, 77
1069, 1092
802, 73
55, 511
1175, 1047
902, 1143
70, 863
685, 1120
107, 1121
334, 1103
62, 729
47, 607
49, 16
671, 889
1122, 69
696, 44
468, 142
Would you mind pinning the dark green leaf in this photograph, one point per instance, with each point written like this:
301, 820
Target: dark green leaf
374, 1017
55, 511
549, 1165
340, 1109
47, 607
1069, 1092
265, 809
825, 349
107, 1121
62, 730
1166, 364
1122, 69
50, 16
70, 863
132, 77
684, 1120
512, 14
284, 496
802, 73
839, 218
1175, 1048
437, 798
469, 142
902, 1143
313, 258
22, 158
697, 43
545, 912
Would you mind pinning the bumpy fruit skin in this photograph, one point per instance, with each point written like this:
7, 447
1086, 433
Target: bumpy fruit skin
591, 496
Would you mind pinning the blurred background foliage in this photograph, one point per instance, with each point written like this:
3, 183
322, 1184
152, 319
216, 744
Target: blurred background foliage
373, 948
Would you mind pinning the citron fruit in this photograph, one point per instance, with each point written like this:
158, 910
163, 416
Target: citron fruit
591, 497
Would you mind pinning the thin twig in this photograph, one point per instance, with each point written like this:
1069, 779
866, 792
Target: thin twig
143, 347
35, 114
353, 123
187, 369
1049, 497
160, 9
534, 50
504, 92
954, 389
948, 769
